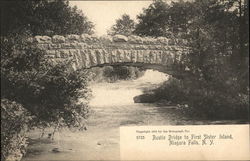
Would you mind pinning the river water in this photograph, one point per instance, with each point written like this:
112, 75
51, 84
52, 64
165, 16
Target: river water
112, 106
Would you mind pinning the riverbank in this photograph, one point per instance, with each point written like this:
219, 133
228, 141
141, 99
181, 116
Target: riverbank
112, 106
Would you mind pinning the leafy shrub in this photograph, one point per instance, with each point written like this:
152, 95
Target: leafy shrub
14, 122
50, 92
171, 91
34, 87
139, 72
108, 71
122, 72
203, 98
31, 85
215, 103
114, 73
215, 84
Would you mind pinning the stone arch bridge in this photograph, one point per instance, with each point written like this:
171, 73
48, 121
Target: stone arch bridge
86, 51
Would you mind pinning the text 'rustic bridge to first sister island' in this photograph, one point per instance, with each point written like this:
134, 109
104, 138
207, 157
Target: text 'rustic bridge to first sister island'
86, 51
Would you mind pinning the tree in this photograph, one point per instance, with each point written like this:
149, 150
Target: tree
124, 26
216, 79
26, 76
50, 93
35, 92
153, 20
43, 17
211, 27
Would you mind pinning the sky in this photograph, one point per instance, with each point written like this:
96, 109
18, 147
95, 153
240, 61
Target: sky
104, 13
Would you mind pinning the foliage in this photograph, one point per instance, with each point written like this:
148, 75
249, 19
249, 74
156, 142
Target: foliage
216, 67
215, 46
202, 100
43, 17
49, 92
124, 26
108, 71
122, 72
115, 73
171, 91
14, 119
35, 91
152, 22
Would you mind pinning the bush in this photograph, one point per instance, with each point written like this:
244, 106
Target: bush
112, 74
215, 84
30, 84
215, 103
108, 72
50, 92
122, 72
34, 87
203, 98
14, 125
171, 91
139, 72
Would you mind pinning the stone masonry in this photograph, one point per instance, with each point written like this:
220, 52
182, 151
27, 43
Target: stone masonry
86, 51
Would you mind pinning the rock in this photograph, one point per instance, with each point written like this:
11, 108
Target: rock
86, 38
162, 40
58, 39
171, 42
187, 68
135, 39
42, 39
90, 50
149, 40
120, 38
72, 37
30, 40
106, 39
42, 46
94, 38
56, 150
83, 128
49, 136
144, 98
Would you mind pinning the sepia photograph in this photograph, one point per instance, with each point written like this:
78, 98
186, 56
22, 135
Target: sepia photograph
124, 80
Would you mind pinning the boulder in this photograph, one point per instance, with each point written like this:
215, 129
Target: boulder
72, 37
135, 39
162, 40
42, 39
120, 38
58, 39
106, 39
85, 37
144, 98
